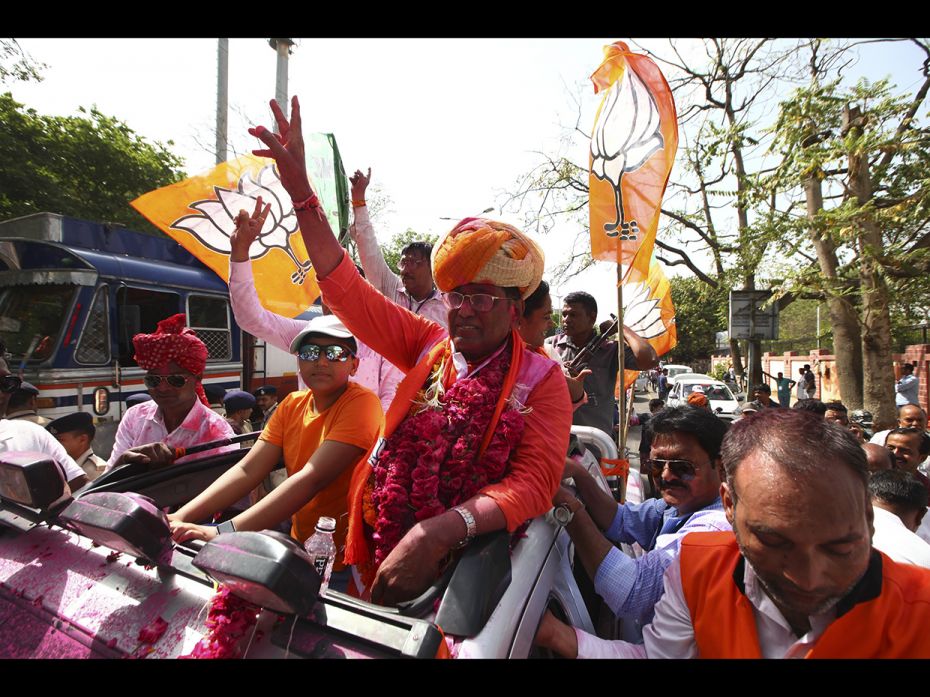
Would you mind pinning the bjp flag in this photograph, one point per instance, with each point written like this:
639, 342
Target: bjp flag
648, 311
632, 152
199, 213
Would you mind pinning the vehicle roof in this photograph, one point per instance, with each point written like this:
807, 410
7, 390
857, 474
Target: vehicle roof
697, 377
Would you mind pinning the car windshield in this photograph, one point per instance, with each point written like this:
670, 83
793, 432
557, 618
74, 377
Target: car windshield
672, 372
32, 317
712, 392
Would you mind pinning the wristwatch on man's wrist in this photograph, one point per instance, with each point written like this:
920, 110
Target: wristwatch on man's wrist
565, 512
471, 527
225, 526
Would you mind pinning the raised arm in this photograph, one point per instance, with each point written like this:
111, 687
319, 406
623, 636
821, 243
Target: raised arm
235, 483
377, 271
364, 315
287, 149
250, 315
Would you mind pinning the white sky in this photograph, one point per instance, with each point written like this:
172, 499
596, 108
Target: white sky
447, 126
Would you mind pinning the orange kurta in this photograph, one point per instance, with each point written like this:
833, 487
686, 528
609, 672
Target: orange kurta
355, 419
405, 339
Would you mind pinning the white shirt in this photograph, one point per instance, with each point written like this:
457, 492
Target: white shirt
899, 543
906, 390
379, 274
671, 634
881, 436
23, 436
144, 424
280, 331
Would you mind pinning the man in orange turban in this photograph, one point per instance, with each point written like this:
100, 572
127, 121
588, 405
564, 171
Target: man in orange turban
698, 399
476, 435
179, 415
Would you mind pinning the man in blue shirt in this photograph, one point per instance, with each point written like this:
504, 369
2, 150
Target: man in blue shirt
684, 463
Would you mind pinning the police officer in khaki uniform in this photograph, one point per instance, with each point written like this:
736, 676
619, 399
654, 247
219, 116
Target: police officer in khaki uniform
76, 432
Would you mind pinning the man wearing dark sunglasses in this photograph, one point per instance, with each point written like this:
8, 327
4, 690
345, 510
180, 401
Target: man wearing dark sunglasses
179, 414
684, 462
22, 436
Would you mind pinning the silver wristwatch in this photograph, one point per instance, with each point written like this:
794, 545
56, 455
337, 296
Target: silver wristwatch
471, 527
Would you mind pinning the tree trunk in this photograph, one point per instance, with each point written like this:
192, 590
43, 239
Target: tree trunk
737, 357
847, 339
878, 373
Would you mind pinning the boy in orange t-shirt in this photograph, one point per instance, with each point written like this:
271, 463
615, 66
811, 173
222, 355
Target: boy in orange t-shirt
322, 434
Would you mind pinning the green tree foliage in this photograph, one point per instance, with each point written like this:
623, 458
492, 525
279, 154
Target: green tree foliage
854, 158
700, 312
16, 64
88, 166
393, 248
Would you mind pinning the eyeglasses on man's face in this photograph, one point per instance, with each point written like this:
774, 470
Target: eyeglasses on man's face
479, 302
175, 380
683, 469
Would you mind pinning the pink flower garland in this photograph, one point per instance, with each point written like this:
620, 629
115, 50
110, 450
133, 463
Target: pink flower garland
230, 618
430, 462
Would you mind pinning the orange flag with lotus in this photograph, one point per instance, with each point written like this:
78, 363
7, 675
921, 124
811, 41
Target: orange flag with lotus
632, 152
199, 213
648, 311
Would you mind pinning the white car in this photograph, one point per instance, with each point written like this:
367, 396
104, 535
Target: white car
674, 370
722, 401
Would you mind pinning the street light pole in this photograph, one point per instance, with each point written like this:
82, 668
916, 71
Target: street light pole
222, 92
283, 48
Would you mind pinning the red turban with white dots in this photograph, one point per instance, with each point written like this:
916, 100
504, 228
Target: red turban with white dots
174, 341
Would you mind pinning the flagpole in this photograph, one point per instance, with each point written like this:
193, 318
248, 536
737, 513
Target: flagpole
621, 432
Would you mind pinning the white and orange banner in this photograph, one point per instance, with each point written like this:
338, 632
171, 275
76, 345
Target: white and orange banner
633, 149
648, 311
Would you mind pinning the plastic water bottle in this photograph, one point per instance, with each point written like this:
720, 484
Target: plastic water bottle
322, 549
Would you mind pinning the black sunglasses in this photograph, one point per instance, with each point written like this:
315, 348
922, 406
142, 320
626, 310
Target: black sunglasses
683, 469
333, 352
176, 380
10, 383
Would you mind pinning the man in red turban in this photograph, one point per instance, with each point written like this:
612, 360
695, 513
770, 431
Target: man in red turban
179, 414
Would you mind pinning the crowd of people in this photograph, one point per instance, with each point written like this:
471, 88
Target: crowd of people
432, 408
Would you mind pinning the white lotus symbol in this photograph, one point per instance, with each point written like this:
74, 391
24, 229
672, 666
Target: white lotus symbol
641, 312
217, 218
626, 134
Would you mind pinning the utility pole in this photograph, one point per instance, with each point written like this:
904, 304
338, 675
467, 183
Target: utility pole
222, 97
283, 49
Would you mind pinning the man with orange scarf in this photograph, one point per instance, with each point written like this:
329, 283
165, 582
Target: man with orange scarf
476, 435
179, 414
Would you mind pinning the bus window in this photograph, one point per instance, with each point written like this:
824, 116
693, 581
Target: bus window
209, 317
140, 310
94, 345
32, 317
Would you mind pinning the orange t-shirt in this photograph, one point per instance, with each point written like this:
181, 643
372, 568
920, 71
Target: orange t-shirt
356, 419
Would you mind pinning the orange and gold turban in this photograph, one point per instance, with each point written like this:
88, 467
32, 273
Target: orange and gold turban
478, 250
